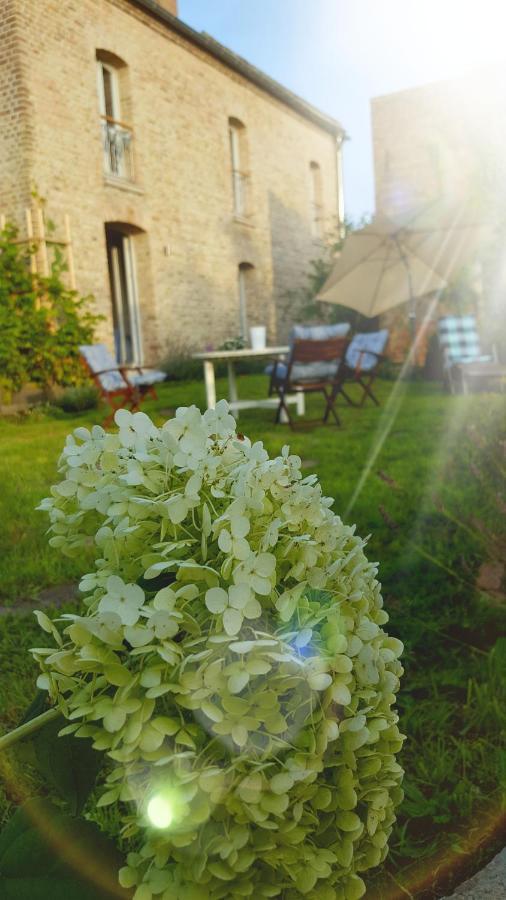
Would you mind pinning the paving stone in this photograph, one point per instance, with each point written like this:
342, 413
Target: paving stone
489, 884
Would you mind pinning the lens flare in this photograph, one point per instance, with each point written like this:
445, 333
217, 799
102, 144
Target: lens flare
160, 812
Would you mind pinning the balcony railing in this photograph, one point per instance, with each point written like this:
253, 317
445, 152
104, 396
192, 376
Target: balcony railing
117, 140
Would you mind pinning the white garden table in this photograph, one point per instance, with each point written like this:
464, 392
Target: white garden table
231, 357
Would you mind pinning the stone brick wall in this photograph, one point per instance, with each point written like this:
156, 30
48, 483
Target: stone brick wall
15, 113
441, 142
187, 243
444, 143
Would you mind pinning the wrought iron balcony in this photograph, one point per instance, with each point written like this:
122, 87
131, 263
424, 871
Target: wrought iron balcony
117, 140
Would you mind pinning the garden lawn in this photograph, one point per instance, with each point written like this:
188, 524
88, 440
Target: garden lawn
424, 476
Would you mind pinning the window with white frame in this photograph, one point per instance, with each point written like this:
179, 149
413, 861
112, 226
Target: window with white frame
117, 135
239, 164
316, 200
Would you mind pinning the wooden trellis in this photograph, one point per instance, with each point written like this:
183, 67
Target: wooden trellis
36, 235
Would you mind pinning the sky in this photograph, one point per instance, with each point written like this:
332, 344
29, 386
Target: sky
337, 54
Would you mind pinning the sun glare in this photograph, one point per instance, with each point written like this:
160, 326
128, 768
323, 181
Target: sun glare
160, 812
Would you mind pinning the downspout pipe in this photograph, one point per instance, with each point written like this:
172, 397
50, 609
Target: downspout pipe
340, 138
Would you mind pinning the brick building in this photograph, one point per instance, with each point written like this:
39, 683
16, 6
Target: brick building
197, 187
444, 143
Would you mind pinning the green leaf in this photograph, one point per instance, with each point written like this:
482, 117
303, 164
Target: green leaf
69, 763
156, 584
46, 854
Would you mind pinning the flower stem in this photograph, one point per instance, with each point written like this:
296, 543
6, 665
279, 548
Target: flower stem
23, 731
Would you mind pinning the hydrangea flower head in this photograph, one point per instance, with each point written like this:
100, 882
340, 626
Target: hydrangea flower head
231, 661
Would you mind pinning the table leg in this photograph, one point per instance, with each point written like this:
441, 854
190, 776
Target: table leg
232, 386
210, 384
301, 403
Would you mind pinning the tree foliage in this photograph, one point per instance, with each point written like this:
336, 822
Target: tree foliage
42, 322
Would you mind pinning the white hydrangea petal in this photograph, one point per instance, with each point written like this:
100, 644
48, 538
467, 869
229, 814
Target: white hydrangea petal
123, 418
252, 610
239, 595
265, 564
115, 584
225, 541
232, 621
240, 526
216, 600
241, 548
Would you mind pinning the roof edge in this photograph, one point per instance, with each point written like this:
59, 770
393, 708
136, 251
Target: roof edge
243, 67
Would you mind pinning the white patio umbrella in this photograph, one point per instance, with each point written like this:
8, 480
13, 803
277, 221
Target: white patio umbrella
386, 264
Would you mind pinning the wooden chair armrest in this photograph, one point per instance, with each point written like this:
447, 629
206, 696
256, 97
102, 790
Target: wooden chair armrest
379, 358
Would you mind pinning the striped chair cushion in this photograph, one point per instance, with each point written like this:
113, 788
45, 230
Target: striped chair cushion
98, 358
311, 371
357, 355
146, 377
459, 340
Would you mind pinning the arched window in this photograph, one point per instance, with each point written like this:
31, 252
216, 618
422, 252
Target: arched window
115, 109
246, 274
316, 200
239, 165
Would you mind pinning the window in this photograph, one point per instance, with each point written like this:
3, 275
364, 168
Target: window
117, 136
316, 200
124, 295
239, 162
245, 284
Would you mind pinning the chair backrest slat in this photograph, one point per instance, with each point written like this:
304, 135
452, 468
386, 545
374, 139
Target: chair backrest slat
320, 369
308, 351
314, 361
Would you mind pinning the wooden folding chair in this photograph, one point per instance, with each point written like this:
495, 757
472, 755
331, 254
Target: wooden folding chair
314, 366
115, 386
363, 357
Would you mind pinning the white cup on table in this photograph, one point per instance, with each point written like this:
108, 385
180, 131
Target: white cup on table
258, 337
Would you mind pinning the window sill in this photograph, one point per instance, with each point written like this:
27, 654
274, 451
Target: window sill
242, 220
123, 184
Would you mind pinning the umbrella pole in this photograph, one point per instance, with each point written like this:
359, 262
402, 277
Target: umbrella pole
412, 304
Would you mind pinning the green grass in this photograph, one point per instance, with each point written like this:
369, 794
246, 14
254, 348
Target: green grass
430, 497
29, 452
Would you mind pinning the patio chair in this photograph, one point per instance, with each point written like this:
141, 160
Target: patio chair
314, 366
115, 386
463, 359
363, 357
310, 333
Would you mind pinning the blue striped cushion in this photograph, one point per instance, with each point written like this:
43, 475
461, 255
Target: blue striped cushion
98, 358
374, 342
146, 377
459, 340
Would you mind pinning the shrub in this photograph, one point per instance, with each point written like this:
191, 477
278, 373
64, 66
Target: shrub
42, 323
78, 399
180, 365
231, 663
